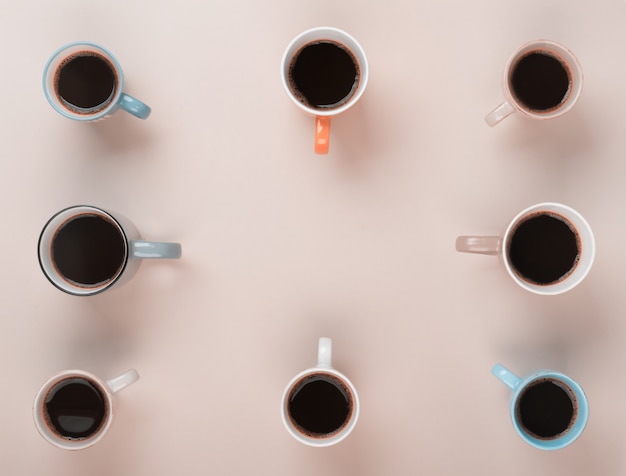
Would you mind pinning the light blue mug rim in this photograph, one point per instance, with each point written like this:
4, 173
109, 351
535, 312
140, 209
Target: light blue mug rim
115, 101
581, 419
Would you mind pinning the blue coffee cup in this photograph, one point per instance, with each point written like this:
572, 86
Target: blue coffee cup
84, 81
549, 410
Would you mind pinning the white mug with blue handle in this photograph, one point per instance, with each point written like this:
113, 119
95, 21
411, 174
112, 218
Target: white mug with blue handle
84, 81
84, 250
549, 410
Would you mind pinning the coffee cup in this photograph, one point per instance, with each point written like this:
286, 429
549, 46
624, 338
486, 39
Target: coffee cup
324, 71
84, 250
320, 406
83, 81
542, 80
548, 409
74, 409
547, 248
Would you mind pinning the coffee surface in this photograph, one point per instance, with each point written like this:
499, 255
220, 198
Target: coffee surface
319, 405
545, 409
543, 249
86, 80
88, 250
540, 81
75, 408
324, 74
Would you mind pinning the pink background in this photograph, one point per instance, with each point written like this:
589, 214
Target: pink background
281, 246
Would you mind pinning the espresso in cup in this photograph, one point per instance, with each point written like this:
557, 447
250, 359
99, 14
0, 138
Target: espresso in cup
546, 408
544, 248
324, 74
89, 250
320, 405
85, 82
75, 408
541, 80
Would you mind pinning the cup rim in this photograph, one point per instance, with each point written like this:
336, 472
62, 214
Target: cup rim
113, 101
588, 249
573, 65
582, 415
320, 33
59, 441
326, 440
45, 256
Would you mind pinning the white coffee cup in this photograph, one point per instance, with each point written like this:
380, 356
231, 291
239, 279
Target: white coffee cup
87, 423
514, 103
501, 246
306, 417
324, 114
65, 267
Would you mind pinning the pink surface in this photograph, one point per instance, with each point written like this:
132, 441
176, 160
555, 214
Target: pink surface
281, 247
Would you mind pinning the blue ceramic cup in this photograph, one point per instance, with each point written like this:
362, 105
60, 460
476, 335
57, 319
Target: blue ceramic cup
83, 81
549, 410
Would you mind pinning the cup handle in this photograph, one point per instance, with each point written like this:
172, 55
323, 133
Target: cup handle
503, 111
134, 106
485, 245
507, 377
324, 352
123, 381
155, 249
322, 134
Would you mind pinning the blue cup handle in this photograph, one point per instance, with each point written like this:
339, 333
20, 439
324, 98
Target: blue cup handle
507, 377
134, 106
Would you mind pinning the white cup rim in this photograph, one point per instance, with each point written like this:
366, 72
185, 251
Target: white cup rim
573, 65
328, 33
586, 259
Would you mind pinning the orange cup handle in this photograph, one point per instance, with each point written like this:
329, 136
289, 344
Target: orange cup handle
322, 134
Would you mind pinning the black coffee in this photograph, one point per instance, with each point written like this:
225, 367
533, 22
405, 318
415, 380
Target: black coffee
85, 80
546, 409
88, 250
544, 248
320, 405
324, 74
75, 408
540, 81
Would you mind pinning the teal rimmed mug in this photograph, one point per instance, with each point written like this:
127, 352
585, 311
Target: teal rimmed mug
549, 410
83, 81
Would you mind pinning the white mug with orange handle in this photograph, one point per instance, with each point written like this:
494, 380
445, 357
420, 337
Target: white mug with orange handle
337, 86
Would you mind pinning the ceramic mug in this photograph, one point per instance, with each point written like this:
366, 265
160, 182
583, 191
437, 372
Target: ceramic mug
74, 409
83, 81
547, 248
84, 250
548, 409
320, 406
324, 71
542, 80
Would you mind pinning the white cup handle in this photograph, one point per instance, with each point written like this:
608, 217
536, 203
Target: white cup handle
324, 352
485, 245
155, 249
123, 381
501, 112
